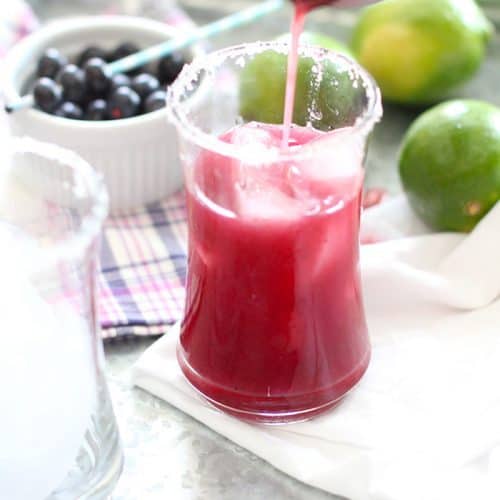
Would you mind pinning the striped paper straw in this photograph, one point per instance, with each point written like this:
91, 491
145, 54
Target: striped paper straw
26, 101
226, 23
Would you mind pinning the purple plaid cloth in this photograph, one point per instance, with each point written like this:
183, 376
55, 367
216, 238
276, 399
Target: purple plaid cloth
143, 270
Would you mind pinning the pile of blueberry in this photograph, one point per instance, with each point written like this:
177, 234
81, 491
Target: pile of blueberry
85, 89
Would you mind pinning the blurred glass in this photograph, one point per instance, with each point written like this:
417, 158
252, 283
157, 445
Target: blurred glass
58, 432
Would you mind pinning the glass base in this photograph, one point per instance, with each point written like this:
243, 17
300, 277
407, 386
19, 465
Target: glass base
273, 410
99, 463
290, 417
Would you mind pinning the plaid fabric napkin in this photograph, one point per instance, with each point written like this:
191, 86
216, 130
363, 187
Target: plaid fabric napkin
143, 269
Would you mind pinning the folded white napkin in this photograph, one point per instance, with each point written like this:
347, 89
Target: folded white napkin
424, 423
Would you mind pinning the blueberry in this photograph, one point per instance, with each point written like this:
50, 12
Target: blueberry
123, 103
47, 94
90, 53
96, 110
155, 101
69, 110
50, 63
123, 50
97, 76
145, 84
119, 80
169, 67
72, 80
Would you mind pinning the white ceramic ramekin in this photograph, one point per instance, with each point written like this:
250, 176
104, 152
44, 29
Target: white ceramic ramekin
137, 156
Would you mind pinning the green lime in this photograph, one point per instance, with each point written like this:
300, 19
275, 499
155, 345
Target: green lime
450, 164
326, 96
418, 51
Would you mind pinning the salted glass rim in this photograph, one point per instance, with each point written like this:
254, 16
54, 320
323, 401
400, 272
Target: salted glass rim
177, 113
79, 239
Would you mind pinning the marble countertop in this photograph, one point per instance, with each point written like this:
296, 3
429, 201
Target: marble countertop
167, 453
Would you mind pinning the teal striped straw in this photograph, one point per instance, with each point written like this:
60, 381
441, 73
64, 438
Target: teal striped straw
26, 101
225, 24
162, 49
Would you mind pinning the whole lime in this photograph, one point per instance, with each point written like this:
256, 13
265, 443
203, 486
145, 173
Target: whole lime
419, 51
328, 95
450, 164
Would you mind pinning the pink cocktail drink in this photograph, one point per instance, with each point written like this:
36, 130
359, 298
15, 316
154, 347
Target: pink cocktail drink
274, 328
274, 317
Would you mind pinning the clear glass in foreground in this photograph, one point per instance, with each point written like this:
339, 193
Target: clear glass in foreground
59, 436
274, 328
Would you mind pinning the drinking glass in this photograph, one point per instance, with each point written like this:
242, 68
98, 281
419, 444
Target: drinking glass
59, 436
274, 328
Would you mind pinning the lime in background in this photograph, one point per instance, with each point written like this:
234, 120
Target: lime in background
450, 164
419, 50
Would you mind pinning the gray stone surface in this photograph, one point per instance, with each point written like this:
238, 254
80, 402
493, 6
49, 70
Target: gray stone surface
168, 454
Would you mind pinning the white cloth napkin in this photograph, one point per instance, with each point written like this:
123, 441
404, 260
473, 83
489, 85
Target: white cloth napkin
424, 423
